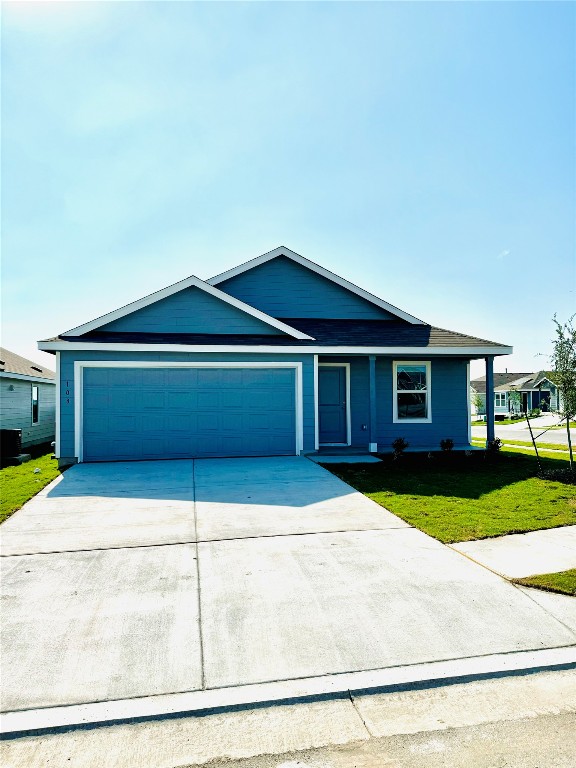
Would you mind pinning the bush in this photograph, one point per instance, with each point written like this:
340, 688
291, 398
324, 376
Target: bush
399, 445
447, 444
534, 412
493, 446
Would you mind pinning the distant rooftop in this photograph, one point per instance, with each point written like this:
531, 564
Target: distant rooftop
10, 362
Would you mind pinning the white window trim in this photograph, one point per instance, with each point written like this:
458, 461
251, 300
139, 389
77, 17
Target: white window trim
346, 366
80, 365
500, 395
34, 386
428, 390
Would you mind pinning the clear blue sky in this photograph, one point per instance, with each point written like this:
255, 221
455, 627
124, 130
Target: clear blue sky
425, 151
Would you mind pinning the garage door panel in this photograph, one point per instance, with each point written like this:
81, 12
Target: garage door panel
185, 412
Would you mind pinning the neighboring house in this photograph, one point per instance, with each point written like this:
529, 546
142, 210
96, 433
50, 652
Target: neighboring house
277, 356
27, 398
536, 390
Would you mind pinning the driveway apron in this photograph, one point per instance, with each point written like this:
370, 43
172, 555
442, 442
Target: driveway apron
132, 579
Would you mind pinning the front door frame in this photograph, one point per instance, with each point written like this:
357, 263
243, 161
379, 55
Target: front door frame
346, 366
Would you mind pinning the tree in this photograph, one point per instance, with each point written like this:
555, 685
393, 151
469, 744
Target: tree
514, 400
477, 401
564, 364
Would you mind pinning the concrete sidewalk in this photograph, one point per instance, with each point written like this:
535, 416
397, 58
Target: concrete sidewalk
185, 585
525, 554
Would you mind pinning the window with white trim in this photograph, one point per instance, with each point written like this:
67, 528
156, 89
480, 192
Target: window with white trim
412, 391
34, 404
500, 399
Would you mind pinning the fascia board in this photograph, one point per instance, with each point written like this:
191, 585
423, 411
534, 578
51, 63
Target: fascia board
320, 271
25, 377
189, 282
414, 352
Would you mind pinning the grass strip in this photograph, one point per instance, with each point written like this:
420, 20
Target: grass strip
525, 444
563, 582
455, 497
19, 484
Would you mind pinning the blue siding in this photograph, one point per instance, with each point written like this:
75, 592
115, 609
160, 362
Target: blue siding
282, 288
449, 407
67, 392
449, 404
190, 311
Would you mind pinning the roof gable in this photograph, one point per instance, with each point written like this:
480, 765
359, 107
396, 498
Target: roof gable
190, 306
285, 284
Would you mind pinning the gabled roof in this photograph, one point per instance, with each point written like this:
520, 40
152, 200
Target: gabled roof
11, 363
286, 252
506, 381
189, 282
479, 384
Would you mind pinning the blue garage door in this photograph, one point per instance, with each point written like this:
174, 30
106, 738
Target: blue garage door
170, 413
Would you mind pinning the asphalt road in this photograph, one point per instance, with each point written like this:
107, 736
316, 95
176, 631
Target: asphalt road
512, 432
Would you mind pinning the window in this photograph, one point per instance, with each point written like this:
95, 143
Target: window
500, 399
34, 405
412, 392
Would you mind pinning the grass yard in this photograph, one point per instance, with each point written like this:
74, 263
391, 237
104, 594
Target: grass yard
564, 582
525, 444
460, 498
499, 422
19, 484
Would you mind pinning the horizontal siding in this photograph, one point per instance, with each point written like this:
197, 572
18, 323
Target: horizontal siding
68, 394
449, 407
449, 404
282, 288
16, 410
190, 311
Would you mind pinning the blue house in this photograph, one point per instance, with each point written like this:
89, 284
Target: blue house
278, 356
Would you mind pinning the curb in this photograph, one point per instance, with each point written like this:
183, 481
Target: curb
201, 703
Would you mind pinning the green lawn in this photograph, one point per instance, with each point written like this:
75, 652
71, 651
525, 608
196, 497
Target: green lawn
459, 498
19, 484
499, 421
525, 444
564, 582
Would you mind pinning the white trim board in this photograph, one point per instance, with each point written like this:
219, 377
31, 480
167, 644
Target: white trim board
189, 282
281, 251
25, 377
85, 346
427, 391
80, 365
346, 366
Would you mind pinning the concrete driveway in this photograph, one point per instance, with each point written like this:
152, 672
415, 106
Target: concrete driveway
136, 579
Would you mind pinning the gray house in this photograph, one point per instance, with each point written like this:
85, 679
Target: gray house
277, 356
536, 390
27, 398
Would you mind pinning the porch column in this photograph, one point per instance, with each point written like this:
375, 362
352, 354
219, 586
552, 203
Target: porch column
490, 434
372, 445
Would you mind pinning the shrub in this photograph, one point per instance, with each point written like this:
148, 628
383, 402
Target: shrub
534, 412
447, 444
493, 446
399, 445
